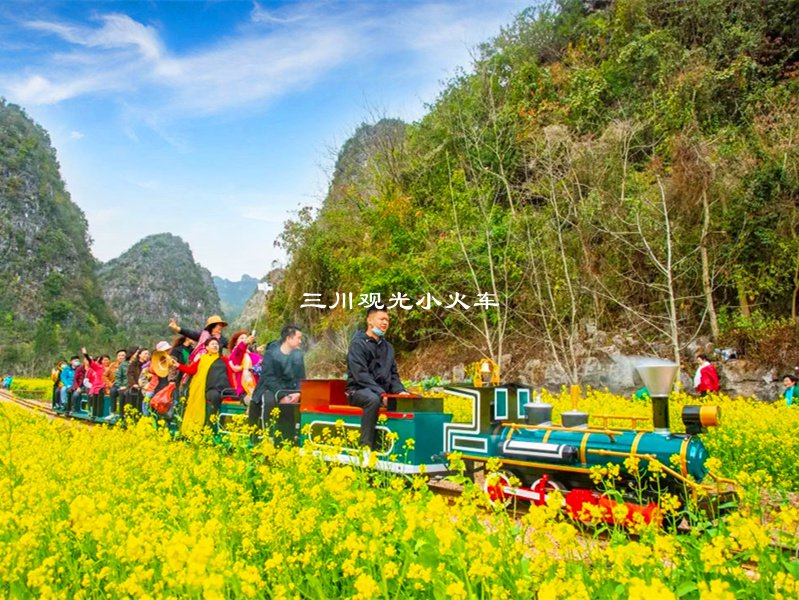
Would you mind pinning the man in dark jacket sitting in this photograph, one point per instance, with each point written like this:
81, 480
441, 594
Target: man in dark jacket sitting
284, 366
371, 371
282, 369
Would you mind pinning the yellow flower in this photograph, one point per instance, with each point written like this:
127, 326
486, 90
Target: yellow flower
713, 465
366, 587
556, 589
417, 571
493, 465
631, 464
390, 570
669, 503
640, 590
456, 591
717, 590
714, 554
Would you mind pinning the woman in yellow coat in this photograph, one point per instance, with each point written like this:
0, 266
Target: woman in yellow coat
211, 374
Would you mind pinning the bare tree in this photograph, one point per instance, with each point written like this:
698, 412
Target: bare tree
482, 202
553, 241
653, 260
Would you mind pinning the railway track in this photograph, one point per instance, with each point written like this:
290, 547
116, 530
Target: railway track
27, 403
40, 406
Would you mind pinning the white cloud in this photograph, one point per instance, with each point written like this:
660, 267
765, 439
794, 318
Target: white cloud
150, 185
279, 52
252, 69
39, 90
260, 15
75, 135
118, 31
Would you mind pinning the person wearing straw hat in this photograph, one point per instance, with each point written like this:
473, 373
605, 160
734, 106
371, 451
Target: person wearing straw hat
213, 329
160, 384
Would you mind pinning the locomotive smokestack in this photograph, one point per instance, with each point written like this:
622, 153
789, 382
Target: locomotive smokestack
658, 377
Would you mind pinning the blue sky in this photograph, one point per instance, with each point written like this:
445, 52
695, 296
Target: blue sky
216, 120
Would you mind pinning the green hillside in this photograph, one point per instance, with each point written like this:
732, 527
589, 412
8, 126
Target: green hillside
49, 296
153, 281
627, 166
54, 296
234, 294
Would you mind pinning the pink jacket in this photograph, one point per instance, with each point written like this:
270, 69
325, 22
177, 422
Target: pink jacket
95, 375
237, 358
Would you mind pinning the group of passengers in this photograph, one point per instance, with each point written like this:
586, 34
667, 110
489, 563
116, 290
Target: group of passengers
203, 365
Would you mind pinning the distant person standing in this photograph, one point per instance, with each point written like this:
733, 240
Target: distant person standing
791, 393
706, 378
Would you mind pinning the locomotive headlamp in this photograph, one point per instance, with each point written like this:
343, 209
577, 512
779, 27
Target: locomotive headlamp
698, 418
486, 372
658, 377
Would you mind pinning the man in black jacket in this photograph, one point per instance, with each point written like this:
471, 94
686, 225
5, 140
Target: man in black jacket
284, 366
371, 371
282, 370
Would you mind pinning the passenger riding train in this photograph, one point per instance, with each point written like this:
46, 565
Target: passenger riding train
536, 455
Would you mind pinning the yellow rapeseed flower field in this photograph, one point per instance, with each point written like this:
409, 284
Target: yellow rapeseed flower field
106, 512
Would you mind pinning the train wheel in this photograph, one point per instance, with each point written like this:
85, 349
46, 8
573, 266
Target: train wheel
494, 486
546, 485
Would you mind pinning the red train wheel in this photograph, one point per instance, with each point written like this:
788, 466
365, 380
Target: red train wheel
495, 486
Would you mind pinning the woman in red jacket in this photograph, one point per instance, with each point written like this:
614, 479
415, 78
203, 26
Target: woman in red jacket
706, 379
95, 372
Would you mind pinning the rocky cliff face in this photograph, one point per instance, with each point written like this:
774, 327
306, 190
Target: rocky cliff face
252, 311
255, 315
49, 296
155, 280
610, 366
234, 294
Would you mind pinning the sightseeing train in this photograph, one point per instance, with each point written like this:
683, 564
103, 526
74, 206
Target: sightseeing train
416, 436
535, 455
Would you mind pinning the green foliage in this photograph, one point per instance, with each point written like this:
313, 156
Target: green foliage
539, 175
48, 272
